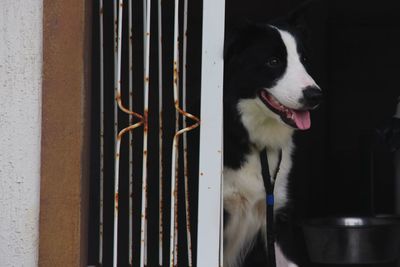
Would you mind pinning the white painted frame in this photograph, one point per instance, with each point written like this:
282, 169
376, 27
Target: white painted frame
209, 243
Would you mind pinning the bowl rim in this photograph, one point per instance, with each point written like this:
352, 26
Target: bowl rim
352, 222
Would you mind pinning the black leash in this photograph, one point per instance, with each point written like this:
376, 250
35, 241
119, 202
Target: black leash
269, 190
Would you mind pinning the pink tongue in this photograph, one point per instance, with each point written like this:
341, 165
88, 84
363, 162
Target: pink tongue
302, 119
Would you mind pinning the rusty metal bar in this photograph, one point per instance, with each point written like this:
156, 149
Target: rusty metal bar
101, 214
185, 150
130, 231
143, 120
174, 178
176, 161
143, 224
174, 168
116, 198
143, 235
160, 116
116, 144
131, 113
117, 15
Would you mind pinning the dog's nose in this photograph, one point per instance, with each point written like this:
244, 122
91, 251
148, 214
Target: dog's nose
312, 96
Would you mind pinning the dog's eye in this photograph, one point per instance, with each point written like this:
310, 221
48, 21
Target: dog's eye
304, 59
273, 62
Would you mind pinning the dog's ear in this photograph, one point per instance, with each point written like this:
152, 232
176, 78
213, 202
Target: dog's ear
238, 36
233, 38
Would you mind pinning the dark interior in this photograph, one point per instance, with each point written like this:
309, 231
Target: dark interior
339, 166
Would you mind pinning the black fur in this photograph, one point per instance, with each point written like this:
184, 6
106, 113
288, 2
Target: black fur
247, 53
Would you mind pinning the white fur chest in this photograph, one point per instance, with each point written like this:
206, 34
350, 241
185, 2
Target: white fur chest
264, 127
244, 187
244, 200
244, 193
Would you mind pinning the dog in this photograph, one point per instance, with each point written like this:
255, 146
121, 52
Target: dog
268, 94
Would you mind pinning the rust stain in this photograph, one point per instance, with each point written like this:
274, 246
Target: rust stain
116, 200
145, 120
129, 128
176, 73
134, 114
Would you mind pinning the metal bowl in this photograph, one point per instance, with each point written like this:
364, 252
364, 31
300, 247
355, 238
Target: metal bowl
353, 240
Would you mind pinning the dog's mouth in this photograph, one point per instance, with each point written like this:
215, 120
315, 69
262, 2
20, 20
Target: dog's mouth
299, 119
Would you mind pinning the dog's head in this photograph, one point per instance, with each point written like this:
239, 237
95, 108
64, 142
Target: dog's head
268, 64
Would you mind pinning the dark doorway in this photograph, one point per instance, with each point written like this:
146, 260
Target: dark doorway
355, 58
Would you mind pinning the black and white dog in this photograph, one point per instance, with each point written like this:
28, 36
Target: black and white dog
267, 96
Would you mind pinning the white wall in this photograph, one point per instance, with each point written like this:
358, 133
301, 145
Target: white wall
20, 122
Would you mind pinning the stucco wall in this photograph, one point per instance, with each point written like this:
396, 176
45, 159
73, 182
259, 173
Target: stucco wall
20, 123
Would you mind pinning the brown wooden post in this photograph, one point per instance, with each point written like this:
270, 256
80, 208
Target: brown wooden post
65, 133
